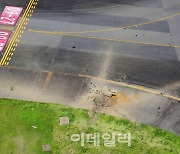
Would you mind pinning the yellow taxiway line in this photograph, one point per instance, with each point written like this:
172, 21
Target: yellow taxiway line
141, 88
125, 27
105, 39
123, 84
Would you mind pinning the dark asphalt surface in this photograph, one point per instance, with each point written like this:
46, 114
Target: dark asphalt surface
149, 65
144, 64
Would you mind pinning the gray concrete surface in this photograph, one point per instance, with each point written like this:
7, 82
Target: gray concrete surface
153, 66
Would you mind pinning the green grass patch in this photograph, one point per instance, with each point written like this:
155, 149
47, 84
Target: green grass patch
18, 136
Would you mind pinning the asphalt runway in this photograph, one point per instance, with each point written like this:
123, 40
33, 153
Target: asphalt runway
79, 37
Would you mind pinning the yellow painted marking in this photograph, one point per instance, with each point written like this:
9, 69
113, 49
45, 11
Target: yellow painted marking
148, 90
31, 10
6, 63
105, 39
7, 27
125, 27
18, 29
132, 86
14, 36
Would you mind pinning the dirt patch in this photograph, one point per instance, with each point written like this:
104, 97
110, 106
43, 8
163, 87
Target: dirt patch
19, 142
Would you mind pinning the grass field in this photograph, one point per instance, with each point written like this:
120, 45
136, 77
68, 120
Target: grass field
17, 135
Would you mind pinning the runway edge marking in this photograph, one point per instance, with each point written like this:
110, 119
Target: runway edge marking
18, 32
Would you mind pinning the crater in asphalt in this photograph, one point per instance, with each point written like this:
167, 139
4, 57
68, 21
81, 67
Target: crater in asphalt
105, 99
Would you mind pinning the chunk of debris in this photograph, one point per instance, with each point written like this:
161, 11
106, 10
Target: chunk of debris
113, 95
34, 127
64, 120
123, 77
46, 147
